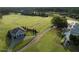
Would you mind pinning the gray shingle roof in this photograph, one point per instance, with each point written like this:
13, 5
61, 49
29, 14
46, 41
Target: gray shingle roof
75, 30
15, 30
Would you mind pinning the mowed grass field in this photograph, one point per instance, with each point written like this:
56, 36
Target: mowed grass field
11, 21
50, 42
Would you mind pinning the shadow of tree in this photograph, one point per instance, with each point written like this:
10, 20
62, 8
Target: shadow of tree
74, 48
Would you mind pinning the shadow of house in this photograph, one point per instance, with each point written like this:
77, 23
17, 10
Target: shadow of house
15, 36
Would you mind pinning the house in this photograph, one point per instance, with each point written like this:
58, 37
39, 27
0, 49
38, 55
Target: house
72, 30
15, 36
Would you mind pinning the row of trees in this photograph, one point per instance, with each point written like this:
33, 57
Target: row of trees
41, 11
34, 13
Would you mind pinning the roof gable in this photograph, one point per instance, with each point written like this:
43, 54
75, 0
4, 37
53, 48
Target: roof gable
16, 31
75, 29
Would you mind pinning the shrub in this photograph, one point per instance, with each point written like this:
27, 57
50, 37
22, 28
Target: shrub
74, 39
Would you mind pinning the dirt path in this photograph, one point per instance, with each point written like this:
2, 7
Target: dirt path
35, 39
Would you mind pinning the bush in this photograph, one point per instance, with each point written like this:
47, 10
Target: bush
74, 39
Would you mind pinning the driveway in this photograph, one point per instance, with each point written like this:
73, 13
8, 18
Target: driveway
35, 39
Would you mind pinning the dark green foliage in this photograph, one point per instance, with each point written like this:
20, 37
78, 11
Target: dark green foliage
1, 15
59, 22
74, 39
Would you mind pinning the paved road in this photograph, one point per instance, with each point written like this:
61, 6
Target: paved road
35, 39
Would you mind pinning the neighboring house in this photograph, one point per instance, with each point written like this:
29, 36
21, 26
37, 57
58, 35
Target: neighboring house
73, 29
15, 36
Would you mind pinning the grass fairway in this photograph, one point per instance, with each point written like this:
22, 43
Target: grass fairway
11, 21
50, 42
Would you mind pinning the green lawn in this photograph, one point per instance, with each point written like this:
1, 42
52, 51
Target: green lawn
16, 20
50, 42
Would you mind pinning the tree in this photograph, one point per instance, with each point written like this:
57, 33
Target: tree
59, 22
1, 16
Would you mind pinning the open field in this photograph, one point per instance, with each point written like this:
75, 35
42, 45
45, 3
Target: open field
39, 29
11, 21
49, 42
